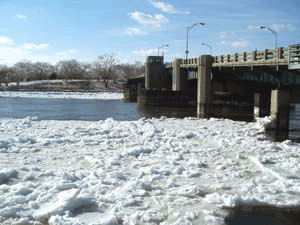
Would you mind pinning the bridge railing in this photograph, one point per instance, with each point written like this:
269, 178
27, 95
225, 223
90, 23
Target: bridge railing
294, 56
192, 61
268, 57
263, 56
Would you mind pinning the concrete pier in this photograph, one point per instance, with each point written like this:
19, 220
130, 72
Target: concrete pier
154, 74
204, 86
280, 109
177, 75
262, 103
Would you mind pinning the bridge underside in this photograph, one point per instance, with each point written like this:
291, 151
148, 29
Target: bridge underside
246, 81
266, 75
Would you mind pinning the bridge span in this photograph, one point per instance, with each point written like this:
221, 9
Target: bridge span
270, 79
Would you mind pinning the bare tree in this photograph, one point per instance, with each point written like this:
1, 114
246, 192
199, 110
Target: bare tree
105, 67
132, 70
70, 69
6, 74
42, 70
86, 68
24, 70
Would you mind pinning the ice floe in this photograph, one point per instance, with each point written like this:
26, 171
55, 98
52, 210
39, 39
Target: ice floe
149, 171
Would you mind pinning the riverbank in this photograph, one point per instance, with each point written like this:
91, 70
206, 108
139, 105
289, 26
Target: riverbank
63, 86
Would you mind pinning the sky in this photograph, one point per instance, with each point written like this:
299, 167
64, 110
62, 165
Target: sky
51, 31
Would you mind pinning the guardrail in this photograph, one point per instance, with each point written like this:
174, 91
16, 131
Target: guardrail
270, 57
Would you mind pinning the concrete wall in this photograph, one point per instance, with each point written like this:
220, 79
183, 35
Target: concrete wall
156, 76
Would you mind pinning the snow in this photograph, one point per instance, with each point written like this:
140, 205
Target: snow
150, 171
65, 95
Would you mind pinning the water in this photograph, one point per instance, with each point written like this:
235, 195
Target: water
94, 110
83, 109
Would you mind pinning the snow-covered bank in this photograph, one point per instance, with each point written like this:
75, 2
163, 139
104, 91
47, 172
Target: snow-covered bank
69, 95
150, 171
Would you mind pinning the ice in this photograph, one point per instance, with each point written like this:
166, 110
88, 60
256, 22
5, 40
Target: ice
7, 174
137, 151
149, 171
65, 95
65, 201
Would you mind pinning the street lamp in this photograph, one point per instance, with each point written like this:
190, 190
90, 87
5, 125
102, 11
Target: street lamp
162, 47
187, 38
273, 32
209, 47
276, 50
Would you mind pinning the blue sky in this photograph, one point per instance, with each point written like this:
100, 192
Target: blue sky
50, 31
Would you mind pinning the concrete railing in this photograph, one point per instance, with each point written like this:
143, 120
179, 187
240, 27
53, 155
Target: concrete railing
269, 57
294, 57
264, 56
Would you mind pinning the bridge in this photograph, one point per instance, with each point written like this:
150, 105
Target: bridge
270, 66
270, 79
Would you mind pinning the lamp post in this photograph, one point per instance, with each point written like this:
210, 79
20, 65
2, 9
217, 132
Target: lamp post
209, 47
162, 47
273, 32
276, 50
187, 38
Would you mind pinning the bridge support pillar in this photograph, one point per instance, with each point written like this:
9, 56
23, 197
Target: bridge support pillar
204, 86
177, 75
280, 109
154, 74
262, 103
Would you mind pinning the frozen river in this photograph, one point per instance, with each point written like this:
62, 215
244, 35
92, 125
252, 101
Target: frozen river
166, 171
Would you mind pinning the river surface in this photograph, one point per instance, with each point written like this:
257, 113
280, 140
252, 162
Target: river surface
95, 109
83, 109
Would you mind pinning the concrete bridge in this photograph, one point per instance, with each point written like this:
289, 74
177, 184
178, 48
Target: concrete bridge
270, 79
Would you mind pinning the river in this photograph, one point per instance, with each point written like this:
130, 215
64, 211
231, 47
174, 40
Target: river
98, 109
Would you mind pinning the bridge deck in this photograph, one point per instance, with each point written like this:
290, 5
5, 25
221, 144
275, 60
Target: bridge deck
275, 57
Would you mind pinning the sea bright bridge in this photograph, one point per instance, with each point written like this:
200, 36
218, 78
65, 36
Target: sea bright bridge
266, 80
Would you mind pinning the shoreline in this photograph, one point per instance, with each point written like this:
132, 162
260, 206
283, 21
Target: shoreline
63, 86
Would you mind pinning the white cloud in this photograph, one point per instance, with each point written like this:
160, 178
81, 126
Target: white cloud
6, 41
143, 52
282, 27
35, 46
135, 31
237, 44
275, 27
148, 20
66, 52
13, 54
165, 7
10, 55
20, 16
253, 28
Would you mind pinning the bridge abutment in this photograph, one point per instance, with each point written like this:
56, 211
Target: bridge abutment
204, 99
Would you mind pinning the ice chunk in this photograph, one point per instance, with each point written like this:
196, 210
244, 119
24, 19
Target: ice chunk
64, 201
7, 174
191, 191
136, 151
23, 191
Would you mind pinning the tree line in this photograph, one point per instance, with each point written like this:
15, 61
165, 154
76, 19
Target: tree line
105, 68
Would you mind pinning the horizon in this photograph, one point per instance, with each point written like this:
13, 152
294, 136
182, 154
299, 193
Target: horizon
42, 31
